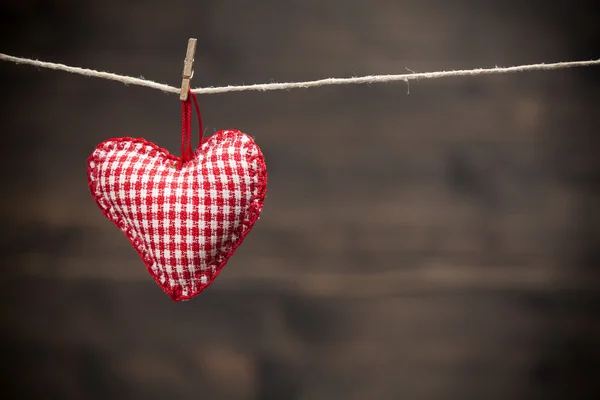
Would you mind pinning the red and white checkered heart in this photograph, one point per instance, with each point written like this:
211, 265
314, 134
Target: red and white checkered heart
184, 221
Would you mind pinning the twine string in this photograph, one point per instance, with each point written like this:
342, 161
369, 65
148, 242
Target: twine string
128, 80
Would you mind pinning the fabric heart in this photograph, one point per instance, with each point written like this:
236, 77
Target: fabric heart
184, 219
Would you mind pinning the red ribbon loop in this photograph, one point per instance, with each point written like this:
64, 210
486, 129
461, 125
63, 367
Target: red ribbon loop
186, 127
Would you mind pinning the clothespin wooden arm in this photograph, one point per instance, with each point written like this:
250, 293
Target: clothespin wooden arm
188, 69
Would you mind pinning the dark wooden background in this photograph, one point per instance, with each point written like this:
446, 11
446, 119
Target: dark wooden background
443, 244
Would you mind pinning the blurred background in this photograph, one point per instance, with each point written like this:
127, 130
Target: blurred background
442, 244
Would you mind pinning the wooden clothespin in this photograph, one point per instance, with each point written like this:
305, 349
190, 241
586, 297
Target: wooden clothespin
188, 69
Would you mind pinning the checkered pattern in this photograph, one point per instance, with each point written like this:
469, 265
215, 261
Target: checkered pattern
184, 221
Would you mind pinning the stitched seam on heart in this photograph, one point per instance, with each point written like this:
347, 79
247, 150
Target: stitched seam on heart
257, 169
258, 189
151, 150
